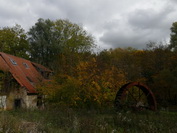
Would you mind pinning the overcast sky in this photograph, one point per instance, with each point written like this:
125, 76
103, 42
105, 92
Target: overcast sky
113, 23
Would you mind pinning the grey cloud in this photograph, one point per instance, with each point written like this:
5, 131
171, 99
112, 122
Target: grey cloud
149, 18
9, 11
120, 39
128, 36
139, 27
132, 38
113, 23
15, 12
173, 1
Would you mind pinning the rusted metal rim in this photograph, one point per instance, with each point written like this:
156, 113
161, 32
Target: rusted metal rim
121, 94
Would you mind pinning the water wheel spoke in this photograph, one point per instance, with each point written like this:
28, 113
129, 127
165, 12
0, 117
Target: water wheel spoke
140, 93
141, 97
148, 95
136, 95
129, 93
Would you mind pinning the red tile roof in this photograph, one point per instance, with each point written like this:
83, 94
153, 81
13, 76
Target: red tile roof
22, 70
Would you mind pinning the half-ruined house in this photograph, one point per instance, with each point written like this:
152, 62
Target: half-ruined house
18, 78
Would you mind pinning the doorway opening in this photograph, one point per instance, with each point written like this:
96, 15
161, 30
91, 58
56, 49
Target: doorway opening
17, 103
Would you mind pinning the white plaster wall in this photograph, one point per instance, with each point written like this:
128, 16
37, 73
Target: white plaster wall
31, 101
3, 102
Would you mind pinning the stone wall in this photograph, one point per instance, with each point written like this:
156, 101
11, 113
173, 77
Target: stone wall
18, 98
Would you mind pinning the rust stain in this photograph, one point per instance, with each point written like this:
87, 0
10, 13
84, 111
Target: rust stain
23, 71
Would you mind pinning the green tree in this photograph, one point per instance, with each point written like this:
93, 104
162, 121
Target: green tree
14, 41
50, 40
165, 81
173, 36
124, 59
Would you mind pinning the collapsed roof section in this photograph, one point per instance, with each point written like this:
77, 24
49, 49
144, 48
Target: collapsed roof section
26, 73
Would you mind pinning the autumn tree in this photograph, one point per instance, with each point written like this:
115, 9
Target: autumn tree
13, 40
165, 82
91, 87
124, 59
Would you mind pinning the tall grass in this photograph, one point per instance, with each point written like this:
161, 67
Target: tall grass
67, 120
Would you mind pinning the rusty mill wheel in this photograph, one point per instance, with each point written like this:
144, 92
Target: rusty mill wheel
135, 95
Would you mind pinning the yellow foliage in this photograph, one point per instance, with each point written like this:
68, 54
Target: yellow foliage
91, 86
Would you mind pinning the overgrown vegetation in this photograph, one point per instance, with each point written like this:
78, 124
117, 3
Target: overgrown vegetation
85, 83
69, 120
87, 79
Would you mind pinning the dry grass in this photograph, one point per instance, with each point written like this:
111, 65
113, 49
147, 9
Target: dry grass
66, 120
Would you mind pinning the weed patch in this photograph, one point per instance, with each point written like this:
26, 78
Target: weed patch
68, 120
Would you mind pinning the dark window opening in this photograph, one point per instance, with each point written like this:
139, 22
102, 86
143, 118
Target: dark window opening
17, 103
30, 80
45, 74
39, 101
